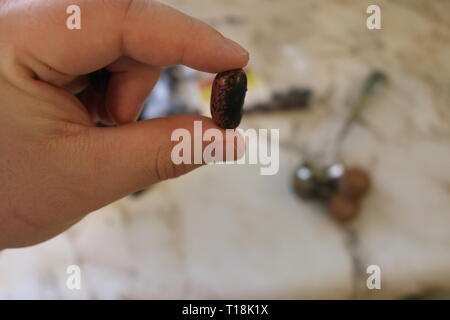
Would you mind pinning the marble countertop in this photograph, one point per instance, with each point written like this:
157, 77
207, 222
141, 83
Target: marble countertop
228, 232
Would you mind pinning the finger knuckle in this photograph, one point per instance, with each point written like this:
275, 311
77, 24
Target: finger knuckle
165, 168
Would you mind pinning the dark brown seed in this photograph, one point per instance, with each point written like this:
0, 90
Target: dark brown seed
227, 98
344, 208
355, 183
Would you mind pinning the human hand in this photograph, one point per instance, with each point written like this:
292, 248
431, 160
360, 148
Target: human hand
55, 165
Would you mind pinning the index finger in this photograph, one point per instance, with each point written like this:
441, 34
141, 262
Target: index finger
147, 31
179, 39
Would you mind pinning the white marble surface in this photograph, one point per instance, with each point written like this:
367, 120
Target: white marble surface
227, 232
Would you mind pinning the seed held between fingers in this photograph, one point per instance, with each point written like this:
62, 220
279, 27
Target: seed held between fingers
227, 98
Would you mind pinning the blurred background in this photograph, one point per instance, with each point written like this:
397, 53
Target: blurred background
225, 231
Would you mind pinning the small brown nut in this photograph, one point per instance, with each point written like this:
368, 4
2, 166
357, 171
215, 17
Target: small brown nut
344, 208
355, 183
227, 98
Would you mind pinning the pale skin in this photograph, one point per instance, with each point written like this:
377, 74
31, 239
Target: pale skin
55, 165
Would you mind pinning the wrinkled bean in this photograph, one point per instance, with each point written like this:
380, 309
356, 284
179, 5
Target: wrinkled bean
227, 98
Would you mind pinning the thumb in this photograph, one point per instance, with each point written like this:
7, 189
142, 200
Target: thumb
121, 160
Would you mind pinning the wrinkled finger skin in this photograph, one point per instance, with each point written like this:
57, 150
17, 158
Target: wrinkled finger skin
227, 98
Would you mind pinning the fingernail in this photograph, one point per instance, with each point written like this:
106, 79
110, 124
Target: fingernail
236, 48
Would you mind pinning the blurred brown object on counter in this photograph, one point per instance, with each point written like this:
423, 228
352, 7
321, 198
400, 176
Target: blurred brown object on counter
354, 183
344, 208
353, 186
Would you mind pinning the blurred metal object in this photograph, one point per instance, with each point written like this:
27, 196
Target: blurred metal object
313, 181
374, 81
304, 182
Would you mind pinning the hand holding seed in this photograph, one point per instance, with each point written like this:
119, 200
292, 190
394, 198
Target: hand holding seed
55, 165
